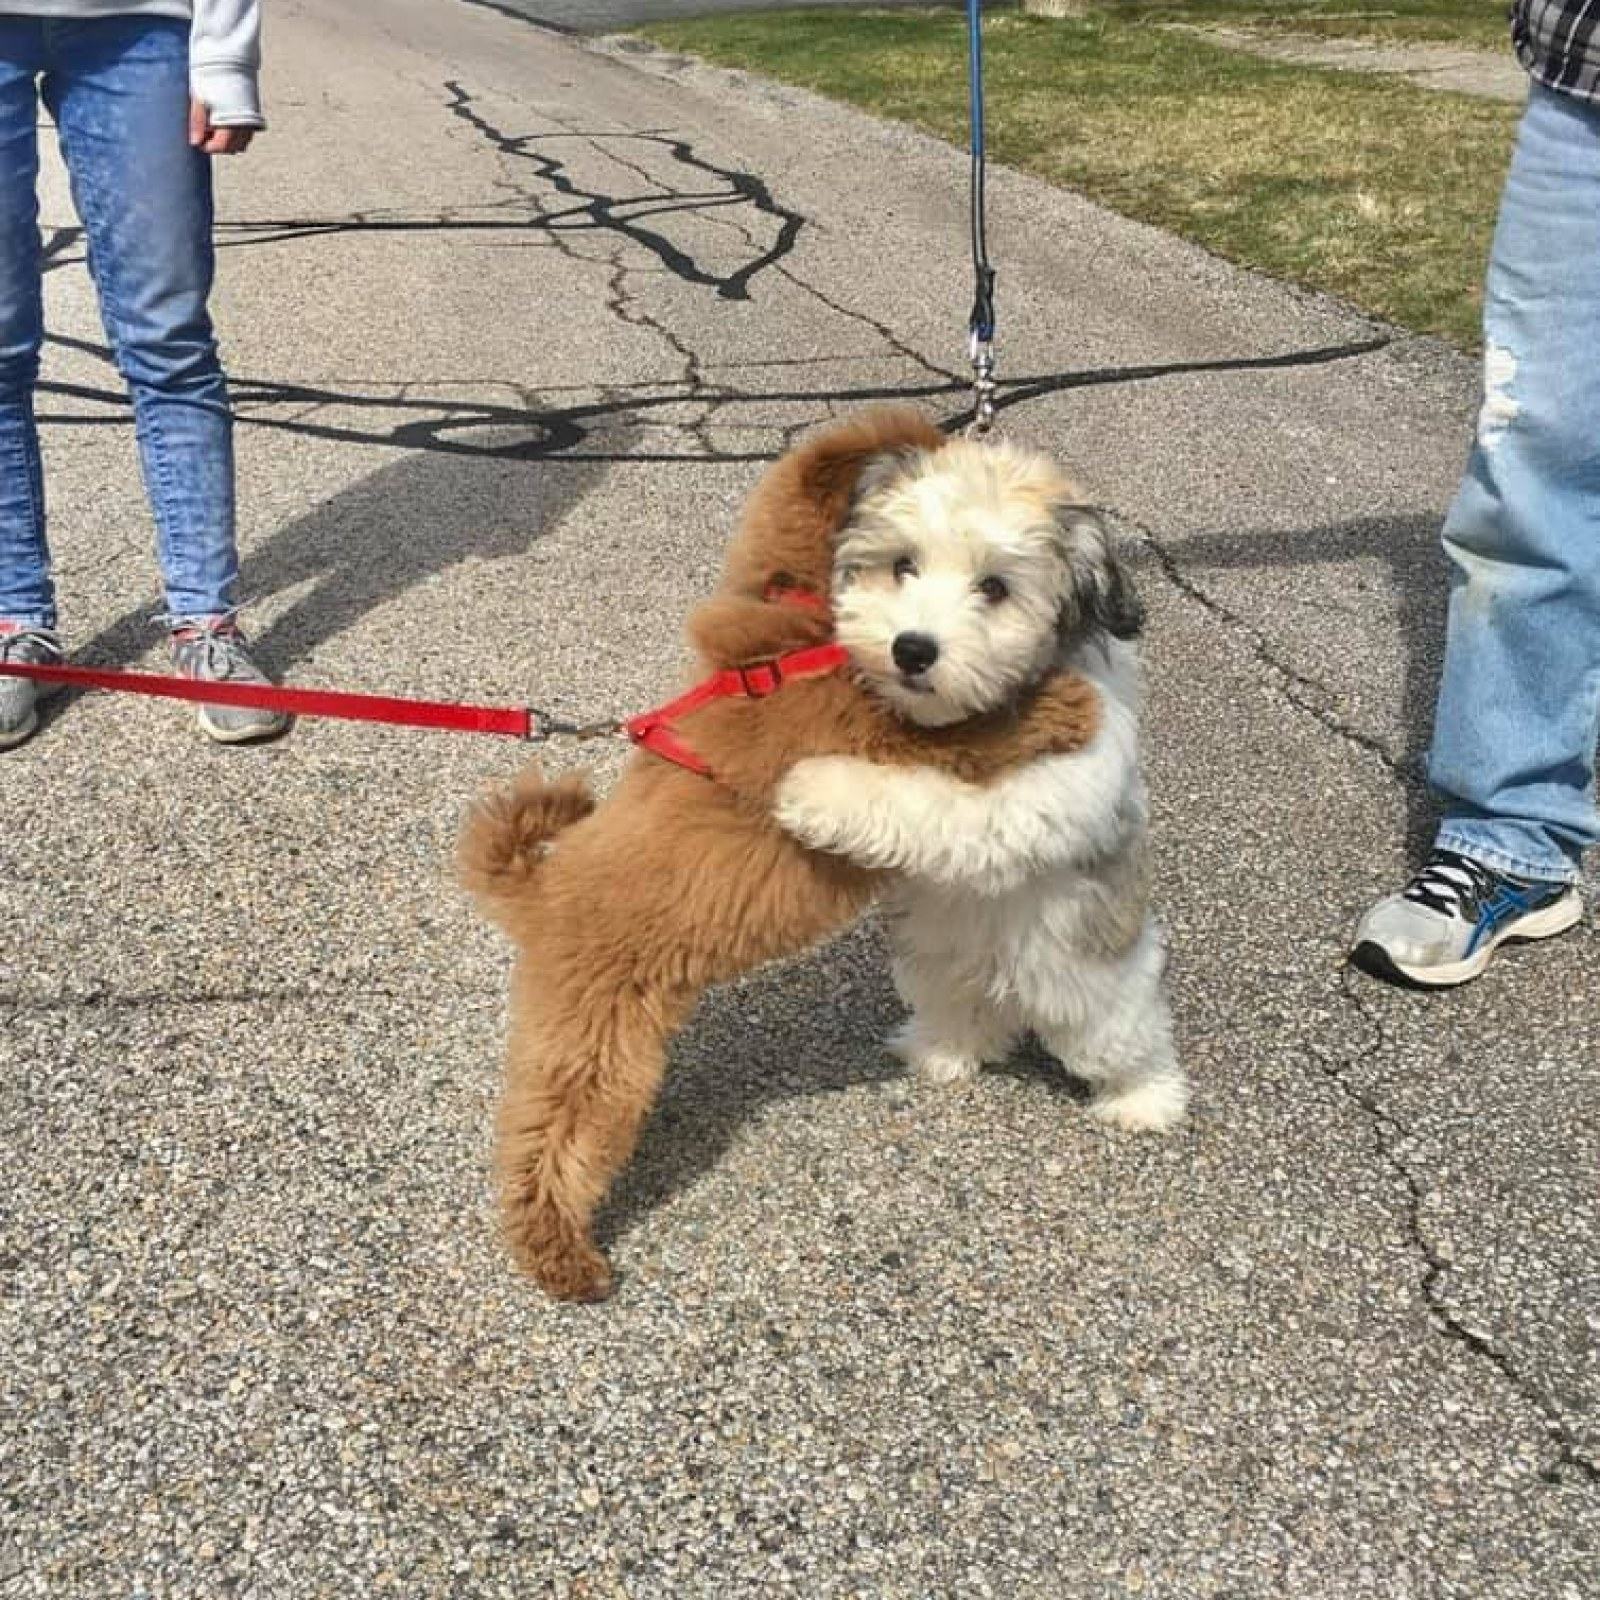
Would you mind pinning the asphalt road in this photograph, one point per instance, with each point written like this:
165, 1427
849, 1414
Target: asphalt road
513, 322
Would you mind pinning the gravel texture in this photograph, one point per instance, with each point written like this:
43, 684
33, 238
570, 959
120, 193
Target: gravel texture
513, 323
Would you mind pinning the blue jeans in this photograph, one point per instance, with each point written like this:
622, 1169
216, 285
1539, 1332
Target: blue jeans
118, 90
1514, 737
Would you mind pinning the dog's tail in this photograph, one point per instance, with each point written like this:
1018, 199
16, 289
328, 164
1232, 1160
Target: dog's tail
507, 833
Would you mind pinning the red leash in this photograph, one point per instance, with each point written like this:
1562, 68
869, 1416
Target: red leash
651, 730
517, 721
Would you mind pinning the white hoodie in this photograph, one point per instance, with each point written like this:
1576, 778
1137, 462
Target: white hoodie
224, 46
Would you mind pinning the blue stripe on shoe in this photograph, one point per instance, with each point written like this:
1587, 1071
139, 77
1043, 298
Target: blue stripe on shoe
1506, 903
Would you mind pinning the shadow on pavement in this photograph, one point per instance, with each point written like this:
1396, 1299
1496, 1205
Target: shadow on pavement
804, 1028
1418, 581
373, 542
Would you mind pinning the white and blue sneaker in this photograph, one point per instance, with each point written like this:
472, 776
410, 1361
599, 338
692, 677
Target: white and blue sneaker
1444, 926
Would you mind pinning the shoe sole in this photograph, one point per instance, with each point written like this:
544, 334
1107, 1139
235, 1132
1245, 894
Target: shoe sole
256, 735
1545, 923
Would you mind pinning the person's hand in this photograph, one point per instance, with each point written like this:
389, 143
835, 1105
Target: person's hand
213, 141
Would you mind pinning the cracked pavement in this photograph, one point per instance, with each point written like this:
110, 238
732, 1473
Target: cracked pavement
512, 323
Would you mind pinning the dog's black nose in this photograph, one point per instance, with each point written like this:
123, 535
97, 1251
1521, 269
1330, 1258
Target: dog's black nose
914, 652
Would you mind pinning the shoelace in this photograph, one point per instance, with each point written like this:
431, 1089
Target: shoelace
1454, 884
208, 647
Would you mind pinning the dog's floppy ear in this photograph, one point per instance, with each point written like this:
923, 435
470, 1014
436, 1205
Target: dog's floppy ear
1103, 595
837, 467
792, 519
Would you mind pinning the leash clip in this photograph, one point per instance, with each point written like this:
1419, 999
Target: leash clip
981, 350
543, 727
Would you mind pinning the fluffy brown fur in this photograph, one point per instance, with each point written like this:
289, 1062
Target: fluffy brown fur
679, 882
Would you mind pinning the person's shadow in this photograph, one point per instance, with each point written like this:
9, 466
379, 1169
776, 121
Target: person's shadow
383, 536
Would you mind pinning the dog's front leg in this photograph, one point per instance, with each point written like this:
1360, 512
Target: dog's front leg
985, 838
952, 1031
906, 820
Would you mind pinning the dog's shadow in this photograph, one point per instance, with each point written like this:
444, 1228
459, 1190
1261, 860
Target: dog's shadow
816, 1025
812, 1026
801, 1028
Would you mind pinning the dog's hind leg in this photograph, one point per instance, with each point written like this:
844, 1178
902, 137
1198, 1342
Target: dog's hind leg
1123, 1049
950, 1033
577, 1092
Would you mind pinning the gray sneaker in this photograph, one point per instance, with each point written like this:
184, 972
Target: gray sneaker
19, 697
213, 650
1443, 927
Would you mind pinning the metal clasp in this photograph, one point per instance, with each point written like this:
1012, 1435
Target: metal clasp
983, 385
542, 726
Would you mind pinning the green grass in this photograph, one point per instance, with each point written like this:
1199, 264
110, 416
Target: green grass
1366, 187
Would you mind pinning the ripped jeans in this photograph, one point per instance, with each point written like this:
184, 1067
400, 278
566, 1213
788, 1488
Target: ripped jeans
1513, 755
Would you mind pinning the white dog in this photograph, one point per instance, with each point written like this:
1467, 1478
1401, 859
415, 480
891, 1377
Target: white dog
963, 576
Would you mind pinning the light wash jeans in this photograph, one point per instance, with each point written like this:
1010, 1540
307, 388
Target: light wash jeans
118, 89
1513, 754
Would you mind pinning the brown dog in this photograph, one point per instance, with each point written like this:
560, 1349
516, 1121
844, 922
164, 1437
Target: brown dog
624, 914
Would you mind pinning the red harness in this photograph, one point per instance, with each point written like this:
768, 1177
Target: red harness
656, 732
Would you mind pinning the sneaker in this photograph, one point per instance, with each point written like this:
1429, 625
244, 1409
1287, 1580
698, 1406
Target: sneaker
19, 697
1443, 927
213, 650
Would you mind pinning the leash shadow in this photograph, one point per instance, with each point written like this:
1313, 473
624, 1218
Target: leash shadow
583, 423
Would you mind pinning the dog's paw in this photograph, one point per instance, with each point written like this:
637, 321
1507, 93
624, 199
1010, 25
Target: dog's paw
582, 1275
936, 1065
943, 1069
813, 794
1147, 1105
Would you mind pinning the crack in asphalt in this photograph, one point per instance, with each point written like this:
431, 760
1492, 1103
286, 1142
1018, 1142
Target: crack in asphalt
1390, 1133
1301, 690
881, 329
104, 1000
626, 307
623, 305
619, 214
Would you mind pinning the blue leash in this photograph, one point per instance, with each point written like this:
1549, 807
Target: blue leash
980, 325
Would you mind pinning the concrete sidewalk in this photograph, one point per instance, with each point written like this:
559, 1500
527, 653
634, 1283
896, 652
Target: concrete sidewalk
1490, 75
513, 323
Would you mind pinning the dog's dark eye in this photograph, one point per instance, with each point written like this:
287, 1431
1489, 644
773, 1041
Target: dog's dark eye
994, 590
904, 568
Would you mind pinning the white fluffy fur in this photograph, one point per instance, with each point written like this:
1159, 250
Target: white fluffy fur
1019, 905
